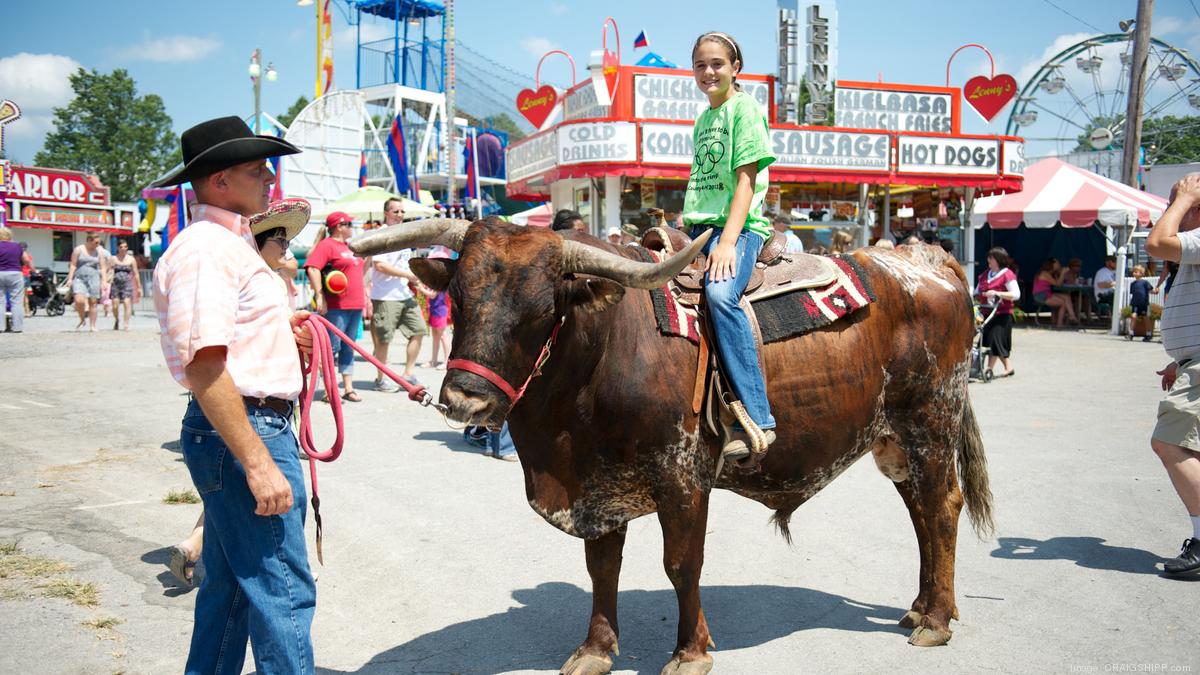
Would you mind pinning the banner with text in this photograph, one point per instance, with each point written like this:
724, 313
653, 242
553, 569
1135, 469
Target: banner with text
667, 144
894, 110
838, 150
1014, 158
531, 156
597, 142
932, 155
676, 97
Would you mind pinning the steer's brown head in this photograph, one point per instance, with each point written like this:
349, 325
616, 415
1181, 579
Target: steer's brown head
509, 287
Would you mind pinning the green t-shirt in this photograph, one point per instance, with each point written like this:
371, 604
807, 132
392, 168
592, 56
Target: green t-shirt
725, 138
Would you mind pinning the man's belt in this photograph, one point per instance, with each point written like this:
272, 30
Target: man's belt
279, 405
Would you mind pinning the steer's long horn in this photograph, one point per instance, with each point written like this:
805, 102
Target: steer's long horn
588, 260
448, 232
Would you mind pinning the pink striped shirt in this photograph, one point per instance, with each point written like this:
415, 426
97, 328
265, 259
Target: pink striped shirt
212, 288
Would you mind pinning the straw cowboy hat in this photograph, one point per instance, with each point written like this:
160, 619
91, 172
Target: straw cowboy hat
290, 214
219, 144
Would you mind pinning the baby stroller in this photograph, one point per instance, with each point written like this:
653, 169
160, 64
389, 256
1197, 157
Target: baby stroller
44, 294
979, 370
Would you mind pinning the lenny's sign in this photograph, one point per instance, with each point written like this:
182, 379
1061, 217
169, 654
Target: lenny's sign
866, 105
56, 185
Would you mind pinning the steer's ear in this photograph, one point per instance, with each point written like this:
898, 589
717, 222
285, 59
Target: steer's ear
434, 272
594, 295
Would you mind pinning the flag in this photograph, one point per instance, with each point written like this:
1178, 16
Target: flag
397, 155
177, 218
362, 171
641, 41
324, 48
469, 167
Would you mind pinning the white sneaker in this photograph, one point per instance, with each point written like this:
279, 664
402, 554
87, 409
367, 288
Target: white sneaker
386, 386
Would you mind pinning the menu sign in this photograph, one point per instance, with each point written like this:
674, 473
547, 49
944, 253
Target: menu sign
924, 154
894, 110
531, 156
838, 150
63, 216
597, 142
667, 144
582, 103
1014, 158
676, 97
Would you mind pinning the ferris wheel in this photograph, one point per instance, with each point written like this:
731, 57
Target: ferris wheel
1077, 100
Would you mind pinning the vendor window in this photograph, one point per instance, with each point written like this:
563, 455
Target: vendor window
64, 244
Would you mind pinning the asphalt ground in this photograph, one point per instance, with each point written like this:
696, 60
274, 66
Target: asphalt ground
434, 563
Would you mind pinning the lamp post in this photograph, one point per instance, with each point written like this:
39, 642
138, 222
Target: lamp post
256, 73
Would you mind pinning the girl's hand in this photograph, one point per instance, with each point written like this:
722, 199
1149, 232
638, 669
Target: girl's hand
722, 262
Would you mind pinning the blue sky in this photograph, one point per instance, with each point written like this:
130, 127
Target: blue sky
194, 55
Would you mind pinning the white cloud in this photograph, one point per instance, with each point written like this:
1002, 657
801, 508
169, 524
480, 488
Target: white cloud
557, 8
37, 83
170, 49
1030, 67
537, 45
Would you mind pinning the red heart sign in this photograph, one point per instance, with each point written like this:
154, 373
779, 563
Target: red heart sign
536, 106
989, 96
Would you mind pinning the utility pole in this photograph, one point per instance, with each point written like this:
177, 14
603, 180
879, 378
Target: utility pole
451, 163
1137, 91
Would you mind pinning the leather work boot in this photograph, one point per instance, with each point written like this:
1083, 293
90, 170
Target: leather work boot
1188, 560
738, 446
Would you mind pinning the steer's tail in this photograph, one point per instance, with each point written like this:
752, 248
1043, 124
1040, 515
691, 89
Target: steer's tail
972, 471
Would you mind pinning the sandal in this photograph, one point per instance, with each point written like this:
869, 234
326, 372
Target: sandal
351, 396
182, 568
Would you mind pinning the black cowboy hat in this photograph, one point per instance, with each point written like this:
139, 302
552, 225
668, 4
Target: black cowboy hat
219, 144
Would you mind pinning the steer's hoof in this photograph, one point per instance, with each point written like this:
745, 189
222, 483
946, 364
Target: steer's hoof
586, 664
911, 619
924, 636
677, 667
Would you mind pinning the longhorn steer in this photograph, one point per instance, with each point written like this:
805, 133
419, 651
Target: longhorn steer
607, 434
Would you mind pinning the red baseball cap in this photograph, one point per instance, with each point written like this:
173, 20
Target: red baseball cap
337, 218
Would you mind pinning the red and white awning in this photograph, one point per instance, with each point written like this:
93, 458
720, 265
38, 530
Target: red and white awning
538, 216
1057, 192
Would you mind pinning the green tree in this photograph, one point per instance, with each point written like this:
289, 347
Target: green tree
502, 122
1171, 140
110, 131
286, 118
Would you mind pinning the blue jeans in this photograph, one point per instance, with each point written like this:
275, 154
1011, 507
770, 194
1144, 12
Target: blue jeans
731, 326
346, 321
257, 583
500, 443
12, 285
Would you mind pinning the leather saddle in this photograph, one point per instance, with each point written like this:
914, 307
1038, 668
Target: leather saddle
776, 272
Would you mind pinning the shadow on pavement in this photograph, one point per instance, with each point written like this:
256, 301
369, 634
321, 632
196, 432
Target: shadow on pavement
552, 622
1089, 552
453, 441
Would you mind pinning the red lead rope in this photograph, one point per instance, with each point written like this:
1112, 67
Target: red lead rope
322, 363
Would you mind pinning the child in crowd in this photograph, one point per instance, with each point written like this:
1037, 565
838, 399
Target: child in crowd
1139, 296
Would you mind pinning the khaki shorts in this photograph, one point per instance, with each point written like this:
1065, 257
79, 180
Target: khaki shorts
1179, 411
390, 315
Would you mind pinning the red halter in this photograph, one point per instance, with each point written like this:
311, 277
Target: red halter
490, 375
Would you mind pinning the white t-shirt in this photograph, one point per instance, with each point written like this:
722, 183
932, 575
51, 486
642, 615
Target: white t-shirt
386, 286
1106, 276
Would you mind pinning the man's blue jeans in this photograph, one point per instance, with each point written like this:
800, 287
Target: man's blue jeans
257, 583
735, 339
500, 443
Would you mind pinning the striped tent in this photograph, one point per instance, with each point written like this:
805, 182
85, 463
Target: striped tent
1057, 192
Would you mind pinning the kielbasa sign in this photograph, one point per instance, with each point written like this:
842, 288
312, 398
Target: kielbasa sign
56, 185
